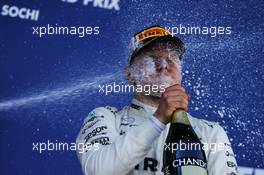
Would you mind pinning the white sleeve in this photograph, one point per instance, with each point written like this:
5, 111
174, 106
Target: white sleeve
221, 159
112, 153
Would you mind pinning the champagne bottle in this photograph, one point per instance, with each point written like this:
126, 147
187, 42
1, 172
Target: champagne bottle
183, 153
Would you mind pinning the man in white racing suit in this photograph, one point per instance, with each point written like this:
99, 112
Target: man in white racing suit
131, 141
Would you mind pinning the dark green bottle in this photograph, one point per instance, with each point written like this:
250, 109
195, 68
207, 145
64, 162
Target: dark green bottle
187, 156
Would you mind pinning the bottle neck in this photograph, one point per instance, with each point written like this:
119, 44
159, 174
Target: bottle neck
180, 116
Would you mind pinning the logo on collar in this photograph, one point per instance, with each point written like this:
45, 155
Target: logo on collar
136, 106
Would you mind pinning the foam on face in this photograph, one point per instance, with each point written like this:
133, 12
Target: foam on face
144, 71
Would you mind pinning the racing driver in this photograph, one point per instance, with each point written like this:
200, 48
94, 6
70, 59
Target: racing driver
131, 141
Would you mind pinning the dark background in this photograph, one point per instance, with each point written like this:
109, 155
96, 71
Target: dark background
48, 85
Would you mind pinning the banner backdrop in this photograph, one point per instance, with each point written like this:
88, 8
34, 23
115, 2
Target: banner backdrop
54, 56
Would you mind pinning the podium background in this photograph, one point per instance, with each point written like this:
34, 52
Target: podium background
49, 84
